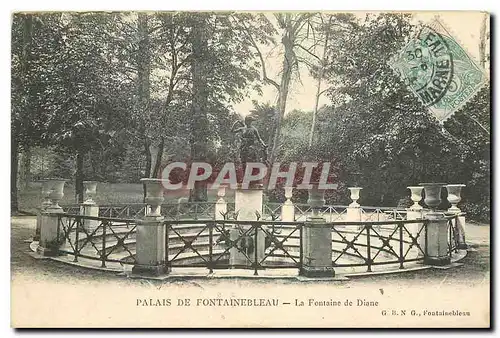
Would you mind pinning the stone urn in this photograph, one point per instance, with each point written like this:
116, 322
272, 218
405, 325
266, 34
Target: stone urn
56, 192
221, 192
90, 191
454, 196
354, 197
316, 198
154, 194
416, 197
288, 195
432, 194
47, 186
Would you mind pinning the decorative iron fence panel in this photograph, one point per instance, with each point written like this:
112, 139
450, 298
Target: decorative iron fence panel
209, 244
96, 238
371, 243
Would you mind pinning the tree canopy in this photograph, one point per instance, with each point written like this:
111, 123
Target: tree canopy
122, 94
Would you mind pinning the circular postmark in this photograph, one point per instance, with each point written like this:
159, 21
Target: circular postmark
428, 66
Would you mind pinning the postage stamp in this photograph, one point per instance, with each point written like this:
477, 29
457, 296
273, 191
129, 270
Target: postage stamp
438, 70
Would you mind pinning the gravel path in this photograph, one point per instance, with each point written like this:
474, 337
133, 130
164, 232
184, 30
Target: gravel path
52, 294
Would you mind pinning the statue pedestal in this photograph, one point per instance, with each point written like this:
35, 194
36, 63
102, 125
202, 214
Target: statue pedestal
248, 202
317, 249
150, 247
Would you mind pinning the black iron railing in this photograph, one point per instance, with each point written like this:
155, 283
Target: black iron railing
453, 234
367, 245
229, 236
207, 210
210, 243
133, 210
96, 238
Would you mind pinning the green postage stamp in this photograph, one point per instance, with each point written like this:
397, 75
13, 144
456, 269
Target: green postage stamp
438, 70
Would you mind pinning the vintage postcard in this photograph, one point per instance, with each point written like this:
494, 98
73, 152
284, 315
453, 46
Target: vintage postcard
234, 169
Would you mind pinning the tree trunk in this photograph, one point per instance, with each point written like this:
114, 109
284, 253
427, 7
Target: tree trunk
14, 162
199, 120
283, 95
143, 80
143, 60
482, 41
147, 170
318, 89
156, 164
25, 169
24, 105
79, 177
315, 113
286, 76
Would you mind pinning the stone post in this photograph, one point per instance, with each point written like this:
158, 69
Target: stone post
247, 203
415, 211
50, 235
454, 198
221, 204
317, 240
436, 237
288, 209
353, 212
46, 189
89, 207
150, 237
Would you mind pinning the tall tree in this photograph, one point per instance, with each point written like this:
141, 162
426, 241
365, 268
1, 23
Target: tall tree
296, 31
199, 121
482, 41
21, 66
328, 28
27, 124
79, 97
223, 71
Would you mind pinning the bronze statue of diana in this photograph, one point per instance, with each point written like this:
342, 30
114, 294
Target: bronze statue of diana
252, 147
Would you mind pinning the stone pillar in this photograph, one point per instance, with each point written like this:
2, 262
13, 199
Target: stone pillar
150, 237
46, 189
415, 211
316, 241
89, 207
288, 209
248, 205
221, 204
454, 198
436, 238
50, 238
353, 211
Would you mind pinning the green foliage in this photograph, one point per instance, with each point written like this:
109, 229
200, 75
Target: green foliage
111, 86
382, 136
265, 115
468, 126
